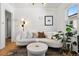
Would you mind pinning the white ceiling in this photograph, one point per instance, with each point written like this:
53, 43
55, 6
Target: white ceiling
25, 5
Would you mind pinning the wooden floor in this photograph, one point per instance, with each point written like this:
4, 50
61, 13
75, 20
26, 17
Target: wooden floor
8, 48
12, 50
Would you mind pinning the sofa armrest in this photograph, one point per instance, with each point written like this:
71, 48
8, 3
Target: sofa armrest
18, 37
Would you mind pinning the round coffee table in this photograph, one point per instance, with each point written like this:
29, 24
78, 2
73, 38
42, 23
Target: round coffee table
37, 49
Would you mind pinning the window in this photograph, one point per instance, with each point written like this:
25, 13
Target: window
73, 10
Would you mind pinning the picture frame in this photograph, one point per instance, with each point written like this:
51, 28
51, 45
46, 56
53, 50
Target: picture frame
48, 20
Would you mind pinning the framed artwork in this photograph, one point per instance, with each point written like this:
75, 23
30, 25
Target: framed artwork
48, 20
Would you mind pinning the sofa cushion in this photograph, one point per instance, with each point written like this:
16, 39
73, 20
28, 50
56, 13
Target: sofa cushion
30, 35
24, 35
49, 35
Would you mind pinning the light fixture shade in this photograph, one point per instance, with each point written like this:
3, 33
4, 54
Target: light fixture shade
23, 24
35, 4
22, 19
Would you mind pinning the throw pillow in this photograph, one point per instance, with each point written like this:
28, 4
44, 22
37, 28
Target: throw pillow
41, 35
48, 35
35, 35
53, 37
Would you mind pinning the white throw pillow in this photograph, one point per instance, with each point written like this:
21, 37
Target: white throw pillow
35, 34
48, 34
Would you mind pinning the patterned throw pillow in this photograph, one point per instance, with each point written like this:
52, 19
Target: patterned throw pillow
41, 35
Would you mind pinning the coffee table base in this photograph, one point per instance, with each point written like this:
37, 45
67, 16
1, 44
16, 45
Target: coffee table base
37, 49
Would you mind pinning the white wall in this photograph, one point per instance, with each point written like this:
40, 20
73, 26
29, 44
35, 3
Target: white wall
0, 24
78, 18
36, 18
61, 17
5, 6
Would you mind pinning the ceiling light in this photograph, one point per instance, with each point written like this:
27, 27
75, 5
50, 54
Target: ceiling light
40, 3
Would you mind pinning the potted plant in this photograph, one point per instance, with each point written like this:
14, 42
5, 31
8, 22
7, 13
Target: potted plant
69, 30
74, 45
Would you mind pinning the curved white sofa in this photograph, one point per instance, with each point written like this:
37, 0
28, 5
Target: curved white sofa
49, 42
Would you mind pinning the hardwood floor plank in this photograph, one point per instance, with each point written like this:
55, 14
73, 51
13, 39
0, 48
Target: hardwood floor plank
10, 46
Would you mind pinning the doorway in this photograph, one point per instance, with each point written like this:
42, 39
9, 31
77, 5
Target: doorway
7, 26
